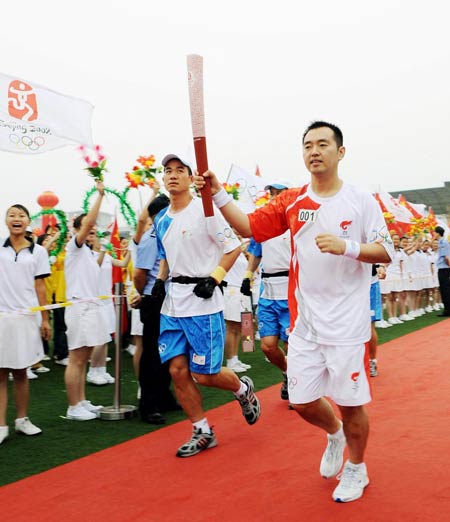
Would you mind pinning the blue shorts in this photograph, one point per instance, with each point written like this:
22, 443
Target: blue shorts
376, 313
200, 338
273, 318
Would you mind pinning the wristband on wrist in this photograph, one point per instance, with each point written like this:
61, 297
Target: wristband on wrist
352, 249
218, 274
221, 198
248, 274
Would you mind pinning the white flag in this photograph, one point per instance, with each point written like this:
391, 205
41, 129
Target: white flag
34, 119
250, 187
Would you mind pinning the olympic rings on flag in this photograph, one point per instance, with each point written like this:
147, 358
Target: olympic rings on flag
26, 142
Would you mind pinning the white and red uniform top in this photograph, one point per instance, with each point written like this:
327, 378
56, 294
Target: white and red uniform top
328, 294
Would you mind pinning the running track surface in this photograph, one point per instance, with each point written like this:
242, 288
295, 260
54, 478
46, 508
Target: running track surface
269, 471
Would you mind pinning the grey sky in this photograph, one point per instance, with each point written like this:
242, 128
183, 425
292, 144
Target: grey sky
380, 70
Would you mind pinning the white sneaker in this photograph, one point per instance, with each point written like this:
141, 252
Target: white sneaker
406, 317
79, 413
392, 320
236, 367
353, 480
422, 311
62, 362
333, 456
257, 336
4, 432
46, 358
96, 378
42, 369
429, 309
26, 427
247, 366
436, 307
87, 405
31, 375
131, 349
109, 378
386, 324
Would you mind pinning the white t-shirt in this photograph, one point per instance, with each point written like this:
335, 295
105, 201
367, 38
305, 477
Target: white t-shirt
82, 272
396, 269
193, 246
329, 294
276, 257
18, 273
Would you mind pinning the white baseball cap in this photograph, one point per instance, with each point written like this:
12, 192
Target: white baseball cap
179, 157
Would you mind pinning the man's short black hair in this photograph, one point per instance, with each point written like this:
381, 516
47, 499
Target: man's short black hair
338, 136
160, 202
440, 231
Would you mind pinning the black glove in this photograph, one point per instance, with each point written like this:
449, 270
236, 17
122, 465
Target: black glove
246, 287
159, 289
205, 288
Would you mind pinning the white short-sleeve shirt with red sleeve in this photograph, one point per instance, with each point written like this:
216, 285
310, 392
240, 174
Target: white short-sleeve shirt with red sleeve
328, 294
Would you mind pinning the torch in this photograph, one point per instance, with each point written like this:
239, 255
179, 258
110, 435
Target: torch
195, 83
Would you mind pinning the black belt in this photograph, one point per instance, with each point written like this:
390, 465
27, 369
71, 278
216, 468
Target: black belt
285, 273
185, 280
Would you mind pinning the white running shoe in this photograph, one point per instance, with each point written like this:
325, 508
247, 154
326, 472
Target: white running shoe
406, 317
333, 456
436, 307
131, 349
79, 413
26, 427
4, 432
237, 367
352, 482
87, 405
386, 324
245, 365
62, 362
429, 309
42, 369
31, 375
109, 378
393, 321
96, 378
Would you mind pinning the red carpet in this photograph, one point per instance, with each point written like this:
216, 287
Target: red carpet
269, 472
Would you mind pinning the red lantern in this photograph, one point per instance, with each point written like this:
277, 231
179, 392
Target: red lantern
47, 200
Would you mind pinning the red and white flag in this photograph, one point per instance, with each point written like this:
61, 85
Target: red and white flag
35, 119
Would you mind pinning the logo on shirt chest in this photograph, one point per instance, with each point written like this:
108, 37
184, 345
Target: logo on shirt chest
344, 228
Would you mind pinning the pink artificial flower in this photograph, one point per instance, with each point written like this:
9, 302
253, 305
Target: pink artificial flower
101, 157
82, 148
87, 159
97, 148
94, 164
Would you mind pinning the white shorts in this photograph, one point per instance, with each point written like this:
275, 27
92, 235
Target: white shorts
235, 303
137, 326
20, 341
339, 372
86, 325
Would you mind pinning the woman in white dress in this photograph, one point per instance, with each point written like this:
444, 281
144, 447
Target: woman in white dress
23, 267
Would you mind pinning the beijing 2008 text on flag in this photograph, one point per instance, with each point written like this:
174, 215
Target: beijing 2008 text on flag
35, 119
